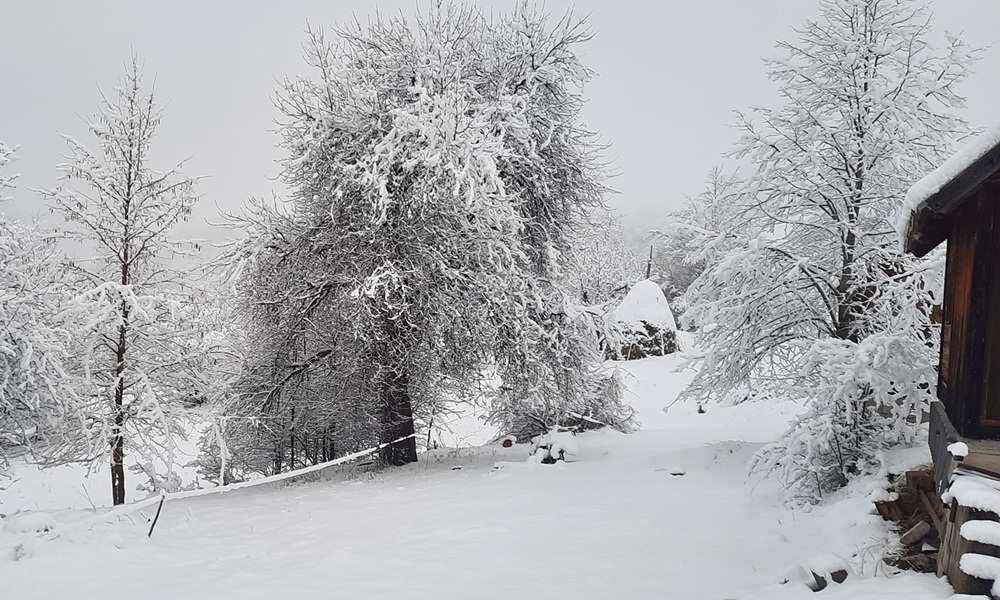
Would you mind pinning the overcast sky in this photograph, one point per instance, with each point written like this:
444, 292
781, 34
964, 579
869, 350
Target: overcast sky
670, 73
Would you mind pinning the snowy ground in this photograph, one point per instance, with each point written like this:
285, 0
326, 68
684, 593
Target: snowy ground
620, 523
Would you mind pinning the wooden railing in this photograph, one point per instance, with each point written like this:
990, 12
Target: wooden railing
942, 435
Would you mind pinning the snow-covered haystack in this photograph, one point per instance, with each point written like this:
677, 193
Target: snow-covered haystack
645, 322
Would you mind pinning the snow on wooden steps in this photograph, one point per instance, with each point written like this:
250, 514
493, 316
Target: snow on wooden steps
959, 450
983, 567
975, 492
984, 532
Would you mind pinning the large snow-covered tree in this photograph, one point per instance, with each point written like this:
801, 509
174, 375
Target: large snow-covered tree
812, 290
438, 169
134, 346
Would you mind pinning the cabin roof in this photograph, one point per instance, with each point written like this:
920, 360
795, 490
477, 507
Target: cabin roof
932, 202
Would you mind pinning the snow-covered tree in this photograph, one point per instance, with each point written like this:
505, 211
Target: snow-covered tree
807, 292
685, 246
437, 171
301, 395
135, 345
604, 263
863, 396
6, 156
37, 400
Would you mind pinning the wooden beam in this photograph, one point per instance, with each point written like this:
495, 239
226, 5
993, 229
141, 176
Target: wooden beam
941, 435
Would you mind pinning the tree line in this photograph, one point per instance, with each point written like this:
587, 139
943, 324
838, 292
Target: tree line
439, 179
438, 247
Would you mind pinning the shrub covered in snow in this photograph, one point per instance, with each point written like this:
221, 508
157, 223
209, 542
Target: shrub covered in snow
868, 396
650, 340
588, 410
158, 480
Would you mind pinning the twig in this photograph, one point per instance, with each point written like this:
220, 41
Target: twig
157, 516
86, 495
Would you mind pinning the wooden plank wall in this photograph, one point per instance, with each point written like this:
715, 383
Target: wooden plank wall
962, 371
953, 546
989, 412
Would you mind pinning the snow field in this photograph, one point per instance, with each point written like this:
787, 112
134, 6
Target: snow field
622, 522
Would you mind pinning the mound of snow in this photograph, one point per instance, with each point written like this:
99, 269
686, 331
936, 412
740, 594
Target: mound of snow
645, 302
29, 522
555, 445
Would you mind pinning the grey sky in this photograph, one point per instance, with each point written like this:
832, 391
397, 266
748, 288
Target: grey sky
670, 73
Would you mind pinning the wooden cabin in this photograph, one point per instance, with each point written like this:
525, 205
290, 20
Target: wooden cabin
960, 203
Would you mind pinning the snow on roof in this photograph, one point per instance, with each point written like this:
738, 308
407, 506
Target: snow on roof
645, 302
972, 150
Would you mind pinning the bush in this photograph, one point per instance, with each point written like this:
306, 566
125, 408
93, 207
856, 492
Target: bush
866, 397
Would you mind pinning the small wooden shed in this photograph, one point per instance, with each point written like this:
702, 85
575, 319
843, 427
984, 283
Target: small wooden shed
960, 203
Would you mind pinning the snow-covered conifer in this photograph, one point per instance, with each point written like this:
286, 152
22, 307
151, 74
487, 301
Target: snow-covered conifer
136, 347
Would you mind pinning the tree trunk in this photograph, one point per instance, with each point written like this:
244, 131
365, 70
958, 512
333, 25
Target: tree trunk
397, 423
118, 435
846, 318
279, 456
291, 441
118, 463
